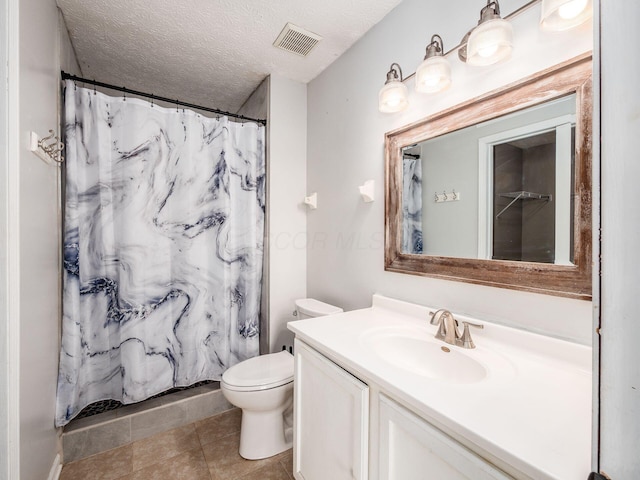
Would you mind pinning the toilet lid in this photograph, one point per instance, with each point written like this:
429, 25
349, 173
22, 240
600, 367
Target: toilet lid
316, 308
262, 372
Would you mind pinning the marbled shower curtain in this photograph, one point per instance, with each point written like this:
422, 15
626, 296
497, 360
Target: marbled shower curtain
411, 205
163, 243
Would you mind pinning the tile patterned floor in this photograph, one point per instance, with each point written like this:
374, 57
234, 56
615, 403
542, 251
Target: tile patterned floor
204, 450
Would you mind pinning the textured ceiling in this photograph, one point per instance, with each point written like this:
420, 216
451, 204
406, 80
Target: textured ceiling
209, 52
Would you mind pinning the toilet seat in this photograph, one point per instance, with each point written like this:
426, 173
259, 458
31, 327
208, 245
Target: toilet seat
260, 373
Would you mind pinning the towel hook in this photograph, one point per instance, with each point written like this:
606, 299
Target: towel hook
48, 148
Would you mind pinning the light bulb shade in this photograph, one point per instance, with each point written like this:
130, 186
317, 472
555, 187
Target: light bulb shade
433, 75
564, 14
490, 42
393, 97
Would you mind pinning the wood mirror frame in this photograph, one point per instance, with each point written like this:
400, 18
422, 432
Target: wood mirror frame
573, 76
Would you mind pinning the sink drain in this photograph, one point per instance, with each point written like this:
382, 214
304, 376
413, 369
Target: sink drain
445, 349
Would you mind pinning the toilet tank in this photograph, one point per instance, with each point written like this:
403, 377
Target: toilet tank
310, 307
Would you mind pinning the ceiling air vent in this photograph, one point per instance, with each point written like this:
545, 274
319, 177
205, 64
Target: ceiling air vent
296, 40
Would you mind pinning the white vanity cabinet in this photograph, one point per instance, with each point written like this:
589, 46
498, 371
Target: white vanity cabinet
412, 449
333, 426
437, 413
331, 420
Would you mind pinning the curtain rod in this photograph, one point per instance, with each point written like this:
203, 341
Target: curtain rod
68, 76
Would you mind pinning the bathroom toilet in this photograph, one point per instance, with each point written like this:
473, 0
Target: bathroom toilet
262, 387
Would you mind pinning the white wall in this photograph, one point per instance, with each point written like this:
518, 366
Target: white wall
257, 105
5, 313
345, 147
287, 226
620, 302
66, 53
284, 103
40, 47
39, 242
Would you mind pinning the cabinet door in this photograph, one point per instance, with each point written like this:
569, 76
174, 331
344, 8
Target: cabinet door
331, 420
412, 449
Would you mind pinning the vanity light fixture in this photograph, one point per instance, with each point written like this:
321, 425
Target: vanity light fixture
434, 73
492, 40
564, 14
393, 95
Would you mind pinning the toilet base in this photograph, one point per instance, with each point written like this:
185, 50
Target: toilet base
263, 434
267, 413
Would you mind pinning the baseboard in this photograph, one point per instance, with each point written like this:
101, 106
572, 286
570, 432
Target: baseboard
56, 468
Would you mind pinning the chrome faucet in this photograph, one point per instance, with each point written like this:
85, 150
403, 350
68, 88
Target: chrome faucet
448, 329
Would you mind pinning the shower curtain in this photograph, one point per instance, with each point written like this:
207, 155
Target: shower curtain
163, 244
411, 205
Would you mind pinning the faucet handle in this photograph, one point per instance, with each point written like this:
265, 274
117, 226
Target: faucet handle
465, 339
436, 317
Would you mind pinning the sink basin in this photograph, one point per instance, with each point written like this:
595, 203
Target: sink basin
417, 351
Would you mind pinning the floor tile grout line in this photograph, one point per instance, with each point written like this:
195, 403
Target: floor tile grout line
215, 439
166, 460
204, 457
130, 447
177, 454
284, 468
213, 471
132, 442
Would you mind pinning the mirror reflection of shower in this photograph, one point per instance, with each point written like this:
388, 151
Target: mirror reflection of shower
499, 190
524, 197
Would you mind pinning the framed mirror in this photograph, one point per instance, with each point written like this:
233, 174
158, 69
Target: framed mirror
497, 191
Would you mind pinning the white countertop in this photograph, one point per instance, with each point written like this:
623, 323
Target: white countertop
534, 414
